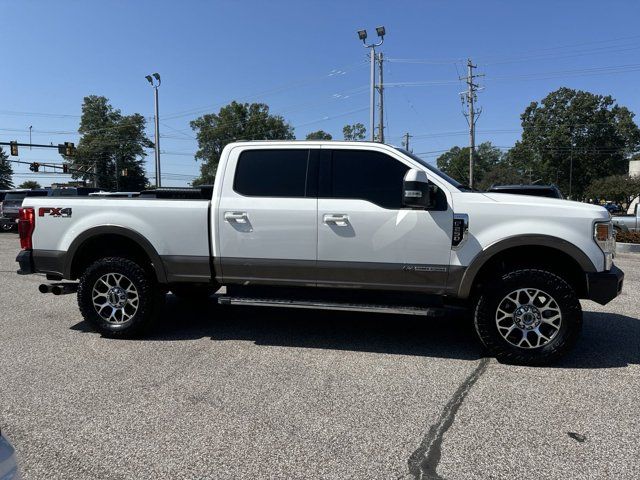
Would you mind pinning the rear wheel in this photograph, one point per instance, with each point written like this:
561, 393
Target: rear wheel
117, 297
528, 317
7, 227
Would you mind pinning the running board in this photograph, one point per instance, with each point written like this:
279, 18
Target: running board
347, 307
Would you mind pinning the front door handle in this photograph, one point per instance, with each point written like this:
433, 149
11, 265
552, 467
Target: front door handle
338, 219
238, 217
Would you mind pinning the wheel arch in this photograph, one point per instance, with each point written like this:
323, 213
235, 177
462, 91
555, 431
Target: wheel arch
553, 253
113, 239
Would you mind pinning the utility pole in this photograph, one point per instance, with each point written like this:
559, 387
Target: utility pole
405, 142
570, 172
381, 95
116, 172
470, 97
362, 35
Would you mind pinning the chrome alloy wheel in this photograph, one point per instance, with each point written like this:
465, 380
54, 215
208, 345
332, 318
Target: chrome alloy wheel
115, 298
528, 318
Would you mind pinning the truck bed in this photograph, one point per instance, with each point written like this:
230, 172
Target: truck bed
178, 229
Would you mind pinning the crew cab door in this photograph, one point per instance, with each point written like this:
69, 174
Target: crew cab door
366, 238
267, 216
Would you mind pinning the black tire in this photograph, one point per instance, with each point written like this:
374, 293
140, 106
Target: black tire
7, 227
193, 292
145, 308
559, 338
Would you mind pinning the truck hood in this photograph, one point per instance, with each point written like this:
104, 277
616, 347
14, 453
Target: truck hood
528, 201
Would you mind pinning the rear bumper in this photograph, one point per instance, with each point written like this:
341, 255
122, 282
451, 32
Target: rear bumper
605, 286
25, 260
50, 262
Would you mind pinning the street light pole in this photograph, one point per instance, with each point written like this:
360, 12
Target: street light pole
155, 84
372, 94
362, 35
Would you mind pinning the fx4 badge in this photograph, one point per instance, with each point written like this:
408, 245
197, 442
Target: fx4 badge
54, 212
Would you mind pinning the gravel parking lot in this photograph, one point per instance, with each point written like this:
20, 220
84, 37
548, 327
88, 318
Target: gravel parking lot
266, 393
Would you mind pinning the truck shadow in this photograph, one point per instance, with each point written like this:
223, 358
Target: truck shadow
608, 340
450, 337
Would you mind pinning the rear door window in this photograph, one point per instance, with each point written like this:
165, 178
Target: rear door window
273, 173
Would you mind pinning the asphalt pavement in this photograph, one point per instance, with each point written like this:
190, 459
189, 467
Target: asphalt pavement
236, 392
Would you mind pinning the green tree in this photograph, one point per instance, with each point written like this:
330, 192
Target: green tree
6, 171
455, 162
617, 188
319, 135
575, 128
236, 121
111, 143
355, 132
32, 184
502, 173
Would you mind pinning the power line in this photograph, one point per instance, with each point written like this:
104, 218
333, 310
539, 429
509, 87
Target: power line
336, 72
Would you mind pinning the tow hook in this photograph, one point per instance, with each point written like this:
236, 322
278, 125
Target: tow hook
58, 288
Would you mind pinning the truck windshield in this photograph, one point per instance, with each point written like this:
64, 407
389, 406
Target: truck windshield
15, 196
435, 171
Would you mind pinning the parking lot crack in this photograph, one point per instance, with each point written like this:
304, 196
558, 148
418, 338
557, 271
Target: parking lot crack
424, 461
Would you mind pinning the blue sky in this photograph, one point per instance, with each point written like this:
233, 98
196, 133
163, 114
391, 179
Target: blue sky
304, 60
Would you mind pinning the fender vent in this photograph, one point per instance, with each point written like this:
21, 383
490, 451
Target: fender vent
460, 229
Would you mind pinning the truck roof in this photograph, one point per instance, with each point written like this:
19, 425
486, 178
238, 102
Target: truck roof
312, 142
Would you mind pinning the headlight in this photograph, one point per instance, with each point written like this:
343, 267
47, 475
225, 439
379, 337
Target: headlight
606, 240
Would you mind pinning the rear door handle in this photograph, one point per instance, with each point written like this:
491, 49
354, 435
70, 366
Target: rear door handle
338, 219
238, 217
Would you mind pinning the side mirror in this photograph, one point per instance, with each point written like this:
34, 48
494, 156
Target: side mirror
415, 190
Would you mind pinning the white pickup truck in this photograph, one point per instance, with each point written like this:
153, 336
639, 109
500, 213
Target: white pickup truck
332, 225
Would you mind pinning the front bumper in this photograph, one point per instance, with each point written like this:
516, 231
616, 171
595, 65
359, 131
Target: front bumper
25, 260
605, 286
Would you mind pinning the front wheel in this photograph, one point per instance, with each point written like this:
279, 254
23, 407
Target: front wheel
117, 297
528, 317
7, 227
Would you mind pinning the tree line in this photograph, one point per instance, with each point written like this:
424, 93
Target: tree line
578, 140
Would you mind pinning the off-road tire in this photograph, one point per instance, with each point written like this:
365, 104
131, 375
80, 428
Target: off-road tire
146, 290
501, 285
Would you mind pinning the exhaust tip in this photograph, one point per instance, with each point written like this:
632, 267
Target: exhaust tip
56, 290
43, 288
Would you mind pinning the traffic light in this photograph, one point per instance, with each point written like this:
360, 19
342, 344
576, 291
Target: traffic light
65, 168
67, 149
34, 167
14, 148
